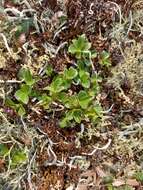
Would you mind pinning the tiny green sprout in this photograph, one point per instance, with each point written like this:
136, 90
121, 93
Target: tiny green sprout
80, 46
105, 59
23, 93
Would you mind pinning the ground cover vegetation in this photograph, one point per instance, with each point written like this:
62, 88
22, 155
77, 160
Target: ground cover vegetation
71, 95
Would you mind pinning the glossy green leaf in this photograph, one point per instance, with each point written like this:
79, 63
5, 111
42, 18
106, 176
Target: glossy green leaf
23, 94
94, 91
72, 102
56, 85
79, 46
10, 103
45, 101
93, 54
21, 110
69, 115
105, 59
26, 75
98, 110
78, 115
84, 99
70, 73
105, 55
85, 78
95, 78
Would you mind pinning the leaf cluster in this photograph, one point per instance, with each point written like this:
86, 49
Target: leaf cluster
78, 105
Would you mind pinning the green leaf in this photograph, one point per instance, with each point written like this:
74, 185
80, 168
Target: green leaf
45, 101
69, 115
90, 112
23, 94
108, 179
10, 103
49, 70
3, 150
63, 123
84, 99
79, 46
105, 59
98, 110
63, 97
105, 55
26, 75
77, 114
94, 91
93, 54
57, 85
70, 73
85, 78
72, 102
95, 78
21, 110
18, 157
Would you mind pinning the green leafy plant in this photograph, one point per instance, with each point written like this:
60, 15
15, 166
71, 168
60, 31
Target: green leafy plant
105, 59
80, 47
79, 106
74, 90
22, 94
25, 90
